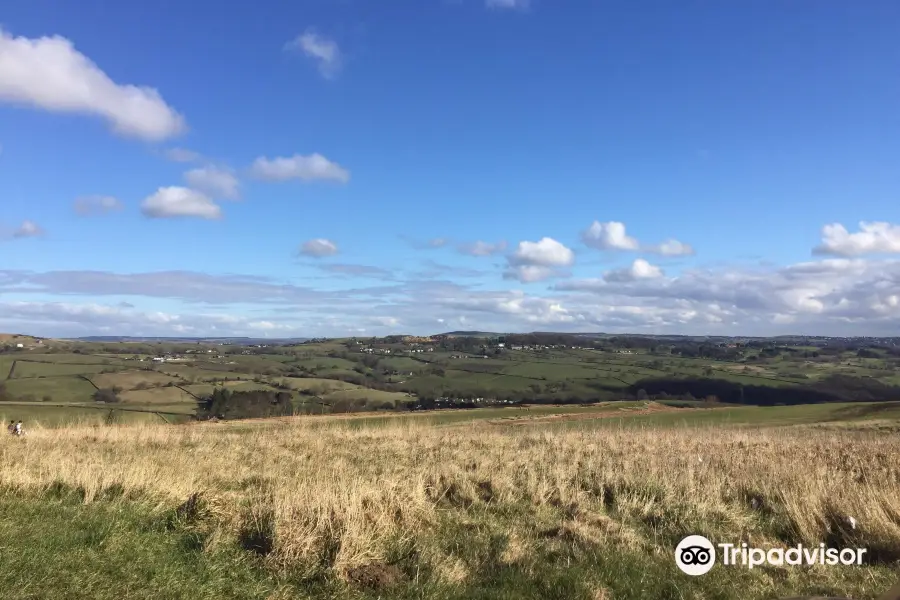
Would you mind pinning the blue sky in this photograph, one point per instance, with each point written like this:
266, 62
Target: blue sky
326, 167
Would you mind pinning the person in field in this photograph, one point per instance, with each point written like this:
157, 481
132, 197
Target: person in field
12, 428
19, 430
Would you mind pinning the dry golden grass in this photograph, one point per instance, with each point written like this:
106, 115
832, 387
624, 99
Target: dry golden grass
322, 496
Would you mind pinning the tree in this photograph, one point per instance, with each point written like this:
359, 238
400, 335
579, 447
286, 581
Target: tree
107, 395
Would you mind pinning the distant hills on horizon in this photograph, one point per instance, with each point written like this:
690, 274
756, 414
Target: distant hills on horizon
596, 335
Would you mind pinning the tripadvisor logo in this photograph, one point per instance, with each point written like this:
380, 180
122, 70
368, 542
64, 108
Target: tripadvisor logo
696, 555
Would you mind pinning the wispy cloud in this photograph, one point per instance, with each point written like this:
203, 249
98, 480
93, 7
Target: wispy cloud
182, 155
430, 244
323, 50
508, 4
353, 270
305, 168
97, 205
318, 248
27, 229
218, 182
480, 248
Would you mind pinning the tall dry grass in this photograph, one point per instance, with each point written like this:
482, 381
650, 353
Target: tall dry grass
319, 495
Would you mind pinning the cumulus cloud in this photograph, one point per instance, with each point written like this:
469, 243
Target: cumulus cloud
608, 236
97, 205
536, 261
828, 296
639, 269
321, 49
872, 238
318, 248
306, 168
218, 182
612, 236
174, 202
51, 74
480, 248
546, 253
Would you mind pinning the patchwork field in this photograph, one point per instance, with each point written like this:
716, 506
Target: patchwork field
337, 376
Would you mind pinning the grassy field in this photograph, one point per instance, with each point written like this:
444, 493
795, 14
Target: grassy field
433, 506
58, 389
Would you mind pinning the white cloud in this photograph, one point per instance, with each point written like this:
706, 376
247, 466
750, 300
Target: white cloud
176, 201
529, 273
612, 236
182, 155
306, 168
215, 181
323, 50
825, 297
28, 229
90, 319
536, 261
97, 205
480, 248
609, 236
318, 248
547, 253
508, 4
872, 238
639, 269
49, 73
673, 248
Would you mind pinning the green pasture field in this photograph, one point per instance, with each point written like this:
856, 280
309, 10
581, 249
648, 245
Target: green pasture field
27, 368
59, 389
128, 380
66, 358
159, 395
205, 389
372, 396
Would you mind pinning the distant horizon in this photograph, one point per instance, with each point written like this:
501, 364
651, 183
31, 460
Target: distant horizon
113, 337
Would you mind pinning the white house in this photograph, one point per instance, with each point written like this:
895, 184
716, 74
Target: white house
20, 345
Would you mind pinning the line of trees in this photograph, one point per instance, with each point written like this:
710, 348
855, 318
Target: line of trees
254, 404
836, 388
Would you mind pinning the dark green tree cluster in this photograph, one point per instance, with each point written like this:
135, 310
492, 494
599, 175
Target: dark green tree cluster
255, 404
836, 388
